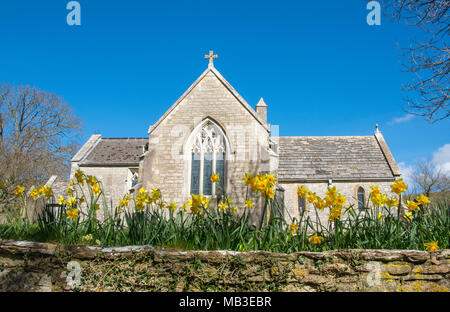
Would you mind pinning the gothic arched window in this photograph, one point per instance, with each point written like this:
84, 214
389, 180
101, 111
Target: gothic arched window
361, 199
208, 157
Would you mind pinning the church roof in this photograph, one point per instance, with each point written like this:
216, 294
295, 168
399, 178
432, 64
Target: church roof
336, 158
115, 152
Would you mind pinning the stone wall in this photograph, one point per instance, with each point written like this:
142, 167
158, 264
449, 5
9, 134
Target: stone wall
28, 266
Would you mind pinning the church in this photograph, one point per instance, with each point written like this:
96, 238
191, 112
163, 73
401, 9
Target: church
212, 129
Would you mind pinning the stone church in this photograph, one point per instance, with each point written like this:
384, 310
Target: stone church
212, 129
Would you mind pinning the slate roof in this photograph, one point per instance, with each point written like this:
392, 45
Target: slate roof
111, 151
338, 158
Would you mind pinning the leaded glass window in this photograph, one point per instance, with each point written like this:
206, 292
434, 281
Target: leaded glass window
361, 199
208, 157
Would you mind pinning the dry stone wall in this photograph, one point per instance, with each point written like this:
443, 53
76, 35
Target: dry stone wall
28, 266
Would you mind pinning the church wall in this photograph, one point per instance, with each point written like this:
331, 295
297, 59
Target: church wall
165, 166
348, 189
115, 180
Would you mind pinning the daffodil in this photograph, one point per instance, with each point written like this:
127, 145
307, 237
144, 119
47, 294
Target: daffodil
412, 205
172, 206
249, 203
432, 246
72, 214
19, 190
408, 216
34, 193
293, 228
61, 200
375, 190
380, 216
422, 200
234, 209
91, 180
79, 175
392, 202
316, 239
46, 191
70, 191
302, 191
71, 201
215, 178
398, 187
222, 206
96, 189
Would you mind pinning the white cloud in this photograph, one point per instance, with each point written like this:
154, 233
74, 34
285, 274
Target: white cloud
441, 158
407, 173
403, 119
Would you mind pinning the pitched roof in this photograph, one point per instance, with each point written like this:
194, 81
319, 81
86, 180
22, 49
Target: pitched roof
115, 152
337, 158
213, 70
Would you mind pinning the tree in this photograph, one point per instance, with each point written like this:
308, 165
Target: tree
429, 178
38, 132
428, 59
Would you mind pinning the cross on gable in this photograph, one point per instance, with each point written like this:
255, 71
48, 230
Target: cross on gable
211, 56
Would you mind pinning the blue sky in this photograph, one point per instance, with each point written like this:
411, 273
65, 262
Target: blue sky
320, 68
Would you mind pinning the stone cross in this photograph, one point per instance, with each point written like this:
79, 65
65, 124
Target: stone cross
211, 58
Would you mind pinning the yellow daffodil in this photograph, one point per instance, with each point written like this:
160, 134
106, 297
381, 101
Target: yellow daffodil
422, 200
222, 206
335, 213
432, 246
70, 191
124, 201
302, 191
19, 190
185, 207
234, 209
215, 178
34, 193
172, 206
91, 180
392, 202
408, 216
311, 197
412, 205
249, 203
229, 201
96, 189
71, 201
46, 191
61, 200
293, 228
375, 190
248, 179
72, 214
316, 239
79, 175
380, 216
398, 187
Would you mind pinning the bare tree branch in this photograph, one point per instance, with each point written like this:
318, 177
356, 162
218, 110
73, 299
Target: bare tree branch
428, 59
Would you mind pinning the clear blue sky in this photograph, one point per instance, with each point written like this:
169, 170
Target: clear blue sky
320, 68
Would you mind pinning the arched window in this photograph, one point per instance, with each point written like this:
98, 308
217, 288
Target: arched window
208, 154
361, 199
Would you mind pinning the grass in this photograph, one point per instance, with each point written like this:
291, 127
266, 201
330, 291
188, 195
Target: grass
147, 220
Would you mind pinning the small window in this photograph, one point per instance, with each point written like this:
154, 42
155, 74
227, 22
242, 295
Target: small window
361, 199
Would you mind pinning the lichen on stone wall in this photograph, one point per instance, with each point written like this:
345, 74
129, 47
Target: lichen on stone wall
26, 266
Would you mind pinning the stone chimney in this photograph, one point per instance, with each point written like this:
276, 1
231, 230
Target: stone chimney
261, 110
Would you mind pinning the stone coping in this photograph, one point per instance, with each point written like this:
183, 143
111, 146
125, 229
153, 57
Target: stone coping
84, 252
